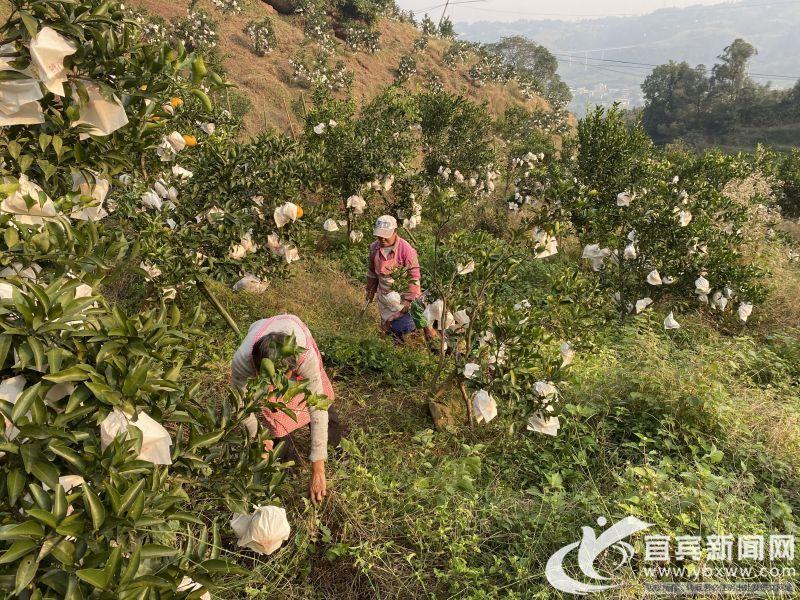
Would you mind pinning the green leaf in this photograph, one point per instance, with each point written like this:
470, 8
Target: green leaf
94, 506
5, 346
17, 549
130, 496
204, 99
74, 373
20, 531
206, 440
9, 75
158, 551
24, 402
30, 23
60, 503
95, 577
16, 483
46, 472
184, 517
43, 516
218, 565
25, 573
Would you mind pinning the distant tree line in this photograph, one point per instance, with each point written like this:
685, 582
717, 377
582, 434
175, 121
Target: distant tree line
687, 102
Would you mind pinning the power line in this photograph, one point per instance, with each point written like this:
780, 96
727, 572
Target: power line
641, 65
445, 4
693, 9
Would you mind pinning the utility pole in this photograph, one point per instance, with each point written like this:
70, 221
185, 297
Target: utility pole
444, 12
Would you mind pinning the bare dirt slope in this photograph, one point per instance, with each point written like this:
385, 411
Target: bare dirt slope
267, 81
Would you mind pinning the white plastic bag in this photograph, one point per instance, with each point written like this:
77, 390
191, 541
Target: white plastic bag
483, 406
251, 425
40, 211
330, 225
393, 301
182, 173
97, 189
264, 530
357, 203
544, 424
434, 313
104, 116
642, 304
250, 283
68, 482
467, 268
545, 389
285, 213
745, 310
702, 286
470, 369
596, 255
19, 97
155, 439
653, 278
48, 51
567, 354
671, 323
58, 392
462, 318
10, 390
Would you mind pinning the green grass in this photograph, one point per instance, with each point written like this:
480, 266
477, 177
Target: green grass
692, 430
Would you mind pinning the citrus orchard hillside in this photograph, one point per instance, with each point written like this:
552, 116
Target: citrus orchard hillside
617, 324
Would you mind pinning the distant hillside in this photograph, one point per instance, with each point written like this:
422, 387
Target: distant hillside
267, 81
696, 35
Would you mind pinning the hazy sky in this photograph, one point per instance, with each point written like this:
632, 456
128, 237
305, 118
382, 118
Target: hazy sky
512, 10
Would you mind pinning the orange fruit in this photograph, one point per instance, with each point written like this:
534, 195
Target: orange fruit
299, 211
176, 102
190, 140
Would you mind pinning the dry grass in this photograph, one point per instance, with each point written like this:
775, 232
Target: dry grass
267, 81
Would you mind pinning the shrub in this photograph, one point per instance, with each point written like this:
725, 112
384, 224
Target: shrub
789, 174
421, 43
361, 38
446, 28
262, 36
427, 26
82, 515
359, 155
495, 344
317, 72
457, 52
232, 7
197, 30
456, 134
406, 69
659, 225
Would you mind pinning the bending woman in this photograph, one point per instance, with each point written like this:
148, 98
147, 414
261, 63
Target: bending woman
260, 343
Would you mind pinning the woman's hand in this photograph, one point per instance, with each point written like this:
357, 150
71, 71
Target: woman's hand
269, 446
318, 487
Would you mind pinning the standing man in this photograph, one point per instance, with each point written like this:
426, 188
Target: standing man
386, 254
262, 339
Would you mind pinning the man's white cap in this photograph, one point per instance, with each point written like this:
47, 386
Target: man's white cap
385, 226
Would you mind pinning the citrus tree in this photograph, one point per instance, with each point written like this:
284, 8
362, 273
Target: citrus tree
492, 348
654, 227
106, 442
